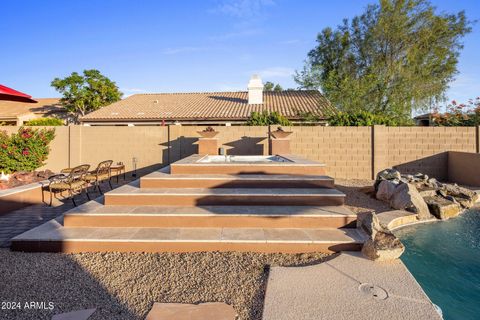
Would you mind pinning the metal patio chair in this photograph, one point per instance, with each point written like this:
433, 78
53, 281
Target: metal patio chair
99, 175
73, 183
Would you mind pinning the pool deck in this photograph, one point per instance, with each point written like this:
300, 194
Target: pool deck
346, 287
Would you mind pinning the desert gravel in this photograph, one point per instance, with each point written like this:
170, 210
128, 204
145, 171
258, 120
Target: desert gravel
125, 285
358, 200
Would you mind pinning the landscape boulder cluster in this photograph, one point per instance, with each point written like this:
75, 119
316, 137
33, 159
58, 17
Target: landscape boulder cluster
423, 195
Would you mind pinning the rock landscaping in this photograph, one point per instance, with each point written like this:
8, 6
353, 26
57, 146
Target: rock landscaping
23, 177
382, 244
423, 195
124, 286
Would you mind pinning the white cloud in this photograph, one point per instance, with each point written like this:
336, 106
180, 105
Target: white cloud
237, 34
275, 72
170, 51
288, 42
243, 9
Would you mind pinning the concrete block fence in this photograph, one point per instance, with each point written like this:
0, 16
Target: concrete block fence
348, 152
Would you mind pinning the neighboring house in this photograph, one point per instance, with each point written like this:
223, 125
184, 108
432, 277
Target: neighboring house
424, 120
209, 108
16, 113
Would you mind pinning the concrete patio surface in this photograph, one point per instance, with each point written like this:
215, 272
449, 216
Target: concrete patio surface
346, 287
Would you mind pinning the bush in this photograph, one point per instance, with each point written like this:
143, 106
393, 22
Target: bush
45, 122
266, 118
25, 150
463, 114
363, 118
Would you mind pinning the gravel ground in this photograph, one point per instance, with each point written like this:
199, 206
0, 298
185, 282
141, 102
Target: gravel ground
357, 199
125, 285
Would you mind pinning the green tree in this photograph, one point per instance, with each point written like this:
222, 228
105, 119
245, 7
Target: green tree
277, 88
266, 118
85, 93
397, 56
268, 86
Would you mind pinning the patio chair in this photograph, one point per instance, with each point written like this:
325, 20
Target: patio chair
99, 175
73, 183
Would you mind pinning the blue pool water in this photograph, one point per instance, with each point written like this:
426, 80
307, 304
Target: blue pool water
444, 257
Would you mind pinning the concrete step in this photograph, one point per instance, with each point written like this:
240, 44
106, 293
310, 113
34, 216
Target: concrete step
97, 215
53, 237
132, 195
295, 166
161, 179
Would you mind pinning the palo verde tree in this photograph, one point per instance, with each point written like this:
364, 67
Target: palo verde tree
85, 93
397, 56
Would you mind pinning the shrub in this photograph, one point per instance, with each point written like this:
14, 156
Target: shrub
459, 114
25, 150
363, 118
45, 122
266, 118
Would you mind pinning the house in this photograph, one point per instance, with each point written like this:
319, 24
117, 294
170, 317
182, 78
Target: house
210, 108
16, 113
424, 120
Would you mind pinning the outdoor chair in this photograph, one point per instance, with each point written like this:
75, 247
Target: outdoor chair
73, 183
99, 175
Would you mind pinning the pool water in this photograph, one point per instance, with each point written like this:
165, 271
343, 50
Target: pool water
444, 257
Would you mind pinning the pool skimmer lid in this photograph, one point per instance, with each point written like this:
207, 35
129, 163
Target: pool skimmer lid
373, 291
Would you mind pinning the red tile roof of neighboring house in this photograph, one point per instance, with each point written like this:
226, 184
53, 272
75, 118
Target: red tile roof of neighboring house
43, 106
210, 106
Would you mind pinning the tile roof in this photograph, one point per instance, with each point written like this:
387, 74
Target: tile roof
210, 106
44, 106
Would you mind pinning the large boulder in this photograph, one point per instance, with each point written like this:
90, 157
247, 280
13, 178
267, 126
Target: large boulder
385, 190
383, 247
387, 174
369, 223
406, 197
442, 208
464, 196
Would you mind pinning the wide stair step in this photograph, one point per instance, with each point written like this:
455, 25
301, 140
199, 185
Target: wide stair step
53, 237
133, 195
94, 214
160, 179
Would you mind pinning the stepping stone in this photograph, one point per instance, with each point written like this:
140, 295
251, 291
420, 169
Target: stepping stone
75, 315
181, 311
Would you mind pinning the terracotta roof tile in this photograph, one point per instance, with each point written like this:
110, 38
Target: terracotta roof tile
209, 106
13, 109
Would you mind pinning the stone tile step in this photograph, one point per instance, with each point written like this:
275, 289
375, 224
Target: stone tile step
97, 215
131, 194
162, 179
53, 237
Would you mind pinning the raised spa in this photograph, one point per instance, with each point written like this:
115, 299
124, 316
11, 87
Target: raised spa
243, 159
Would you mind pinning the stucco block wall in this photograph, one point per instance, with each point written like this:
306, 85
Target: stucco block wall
348, 152
345, 150
424, 149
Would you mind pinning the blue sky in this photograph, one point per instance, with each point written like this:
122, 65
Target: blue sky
175, 46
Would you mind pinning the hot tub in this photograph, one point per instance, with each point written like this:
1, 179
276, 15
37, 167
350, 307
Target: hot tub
243, 159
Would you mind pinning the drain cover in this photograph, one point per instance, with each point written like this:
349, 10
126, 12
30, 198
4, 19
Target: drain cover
373, 291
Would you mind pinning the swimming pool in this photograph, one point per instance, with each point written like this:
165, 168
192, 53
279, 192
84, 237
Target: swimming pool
444, 257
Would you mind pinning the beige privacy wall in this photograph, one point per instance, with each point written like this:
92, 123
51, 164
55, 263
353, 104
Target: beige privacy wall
348, 152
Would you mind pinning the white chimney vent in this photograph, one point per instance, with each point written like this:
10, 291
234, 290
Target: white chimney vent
255, 90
